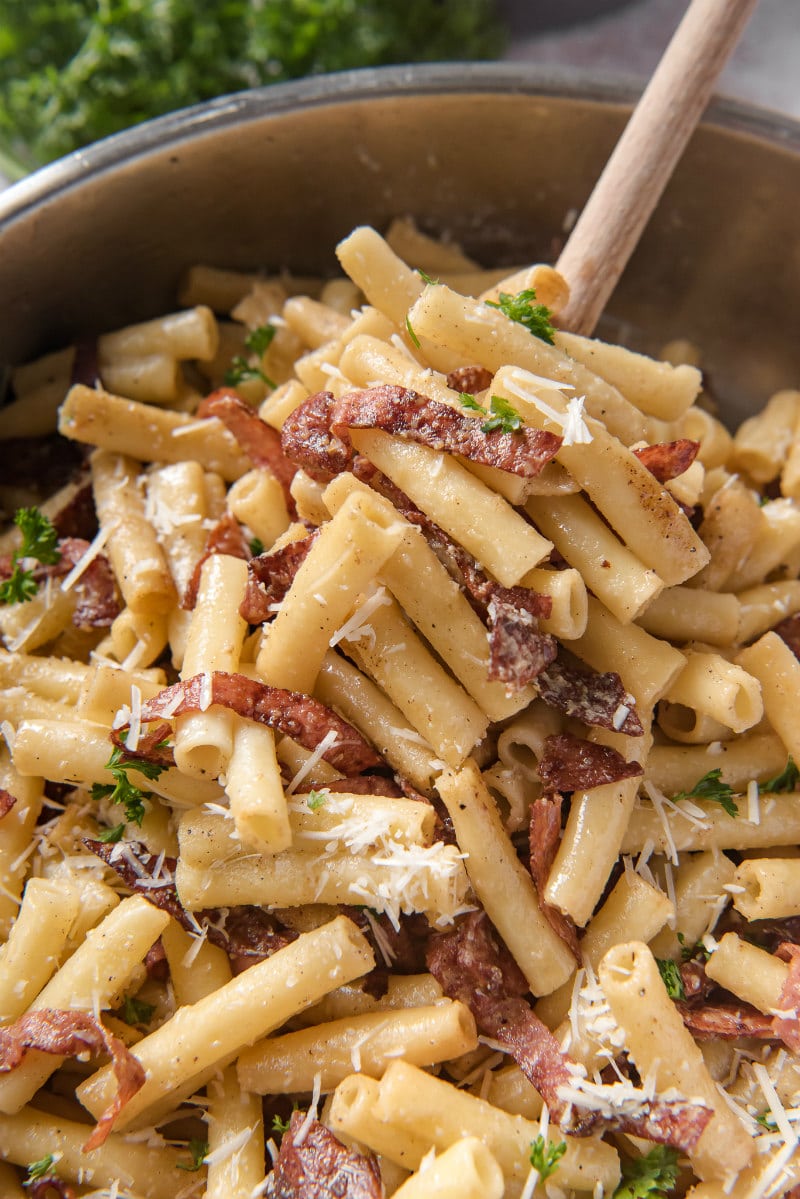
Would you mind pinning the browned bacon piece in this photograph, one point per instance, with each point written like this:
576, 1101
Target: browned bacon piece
518, 652
248, 934
269, 577
97, 603
472, 965
151, 747
571, 763
408, 414
258, 440
726, 1022
594, 698
69, 1034
49, 1185
544, 838
787, 1027
318, 1166
469, 379
300, 717
7, 801
668, 459
307, 440
226, 537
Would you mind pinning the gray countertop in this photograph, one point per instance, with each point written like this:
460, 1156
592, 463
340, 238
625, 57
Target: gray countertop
764, 69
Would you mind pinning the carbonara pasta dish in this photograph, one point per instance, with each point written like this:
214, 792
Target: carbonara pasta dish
401, 703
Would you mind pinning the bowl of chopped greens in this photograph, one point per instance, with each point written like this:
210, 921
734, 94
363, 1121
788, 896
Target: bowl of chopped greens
492, 155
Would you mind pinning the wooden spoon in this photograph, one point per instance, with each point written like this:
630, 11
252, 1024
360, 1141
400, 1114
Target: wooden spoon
607, 231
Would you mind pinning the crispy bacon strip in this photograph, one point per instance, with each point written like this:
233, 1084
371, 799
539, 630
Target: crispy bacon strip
472, 965
307, 440
69, 1034
48, 1185
597, 699
270, 576
408, 414
668, 459
226, 537
787, 1027
151, 746
258, 440
726, 1022
7, 801
573, 764
300, 717
518, 652
469, 379
248, 934
544, 839
319, 1166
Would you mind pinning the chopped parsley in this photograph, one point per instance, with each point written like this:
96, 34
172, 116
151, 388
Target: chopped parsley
280, 1126
122, 790
241, 369
316, 799
470, 402
787, 780
698, 950
44, 1168
198, 1150
654, 1174
40, 541
425, 277
766, 1120
411, 333
501, 414
110, 836
136, 1011
712, 788
256, 546
523, 309
545, 1156
671, 978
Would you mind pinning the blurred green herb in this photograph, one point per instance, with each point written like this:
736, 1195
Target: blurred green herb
671, 978
644, 1177
712, 788
40, 541
197, 1150
73, 71
787, 780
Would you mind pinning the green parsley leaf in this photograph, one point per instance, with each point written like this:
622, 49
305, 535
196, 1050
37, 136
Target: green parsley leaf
523, 309
671, 977
316, 799
136, 1011
122, 790
259, 340
40, 541
425, 277
198, 1150
545, 1156
279, 1125
503, 416
470, 402
654, 1174
766, 1120
412, 334
787, 780
41, 1169
710, 787
698, 950
110, 836
256, 546
240, 371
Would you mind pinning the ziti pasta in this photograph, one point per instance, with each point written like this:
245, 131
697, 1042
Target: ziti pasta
398, 788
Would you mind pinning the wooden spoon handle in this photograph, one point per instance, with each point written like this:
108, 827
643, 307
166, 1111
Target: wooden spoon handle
607, 231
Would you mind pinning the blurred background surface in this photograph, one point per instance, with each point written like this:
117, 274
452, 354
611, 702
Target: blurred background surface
626, 38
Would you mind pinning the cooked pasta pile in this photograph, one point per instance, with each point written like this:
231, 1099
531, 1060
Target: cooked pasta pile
400, 701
